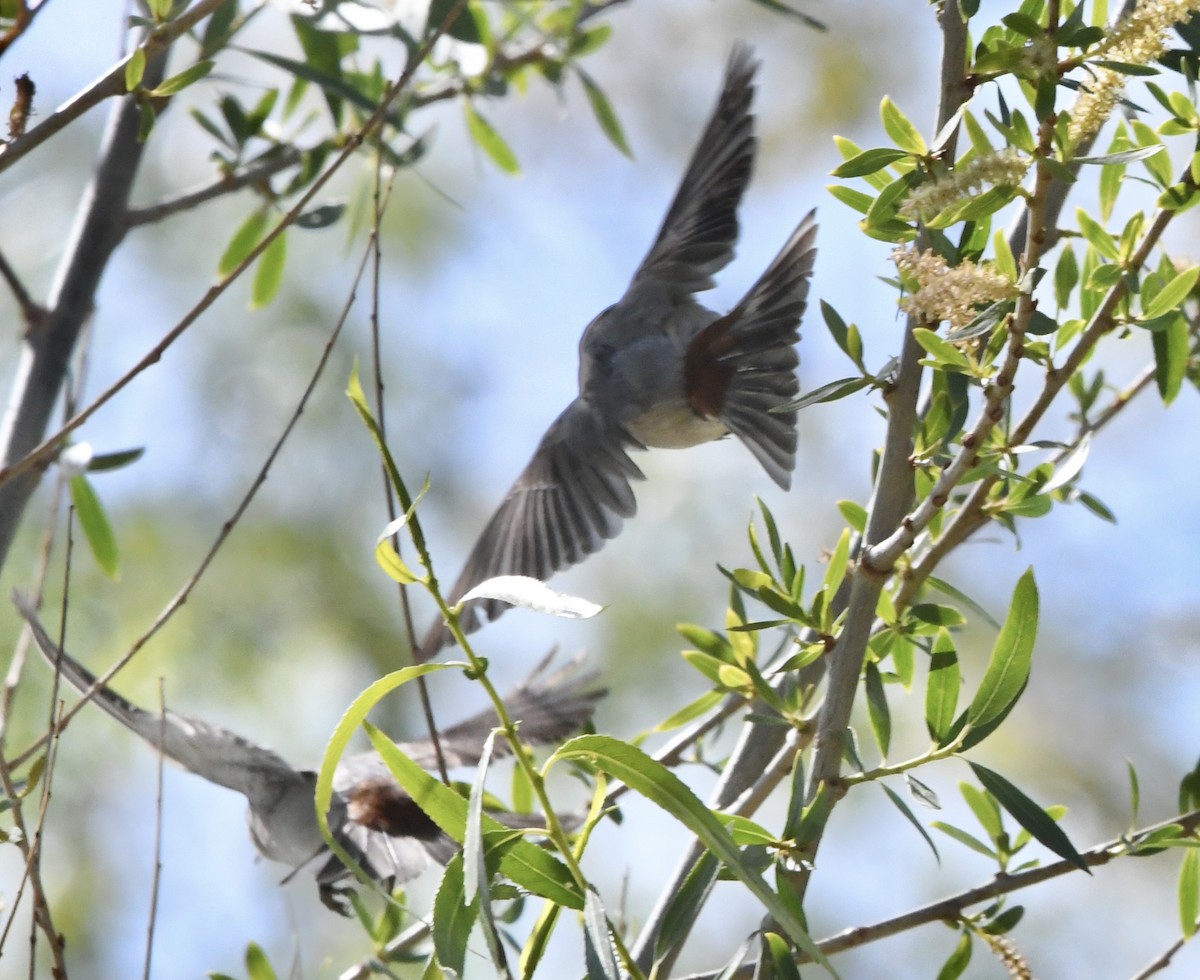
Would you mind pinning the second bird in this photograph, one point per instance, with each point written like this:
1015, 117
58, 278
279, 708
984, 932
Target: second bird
659, 370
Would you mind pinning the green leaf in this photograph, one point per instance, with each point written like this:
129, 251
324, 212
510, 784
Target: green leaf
490, 141
1170, 298
877, 708
1123, 156
605, 116
177, 83
958, 961
854, 513
1189, 892
453, 918
967, 840
244, 241
686, 903
940, 350
1008, 668
839, 561
1171, 355
599, 955
96, 528
393, 565
1029, 815
102, 462
911, 817
831, 392
860, 201
663, 788
135, 68
868, 162
257, 965
528, 865
941, 691
268, 275
1096, 235
900, 129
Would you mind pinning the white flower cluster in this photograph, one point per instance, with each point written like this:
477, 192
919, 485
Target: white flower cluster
1005, 168
945, 292
1137, 40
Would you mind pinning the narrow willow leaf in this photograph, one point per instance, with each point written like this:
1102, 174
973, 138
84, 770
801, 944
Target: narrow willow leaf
528, 865
598, 948
900, 129
663, 788
474, 871
1100, 239
258, 967
940, 350
1008, 668
860, 201
354, 716
1171, 356
453, 918
877, 708
779, 953
967, 840
1171, 296
941, 691
395, 567
268, 276
958, 961
1189, 892
135, 68
687, 901
831, 392
96, 527
1069, 468
1123, 156
490, 141
1029, 815
529, 593
903, 807
854, 513
177, 83
604, 113
839, 561
868, 162
248, 235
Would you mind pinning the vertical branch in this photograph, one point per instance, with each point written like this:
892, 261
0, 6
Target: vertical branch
893, 492
46, 348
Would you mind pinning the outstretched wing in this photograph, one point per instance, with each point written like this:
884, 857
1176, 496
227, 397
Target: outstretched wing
572, 497
701, 227
208, 750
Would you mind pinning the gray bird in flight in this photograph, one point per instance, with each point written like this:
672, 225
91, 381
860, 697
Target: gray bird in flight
657, 369
371, 816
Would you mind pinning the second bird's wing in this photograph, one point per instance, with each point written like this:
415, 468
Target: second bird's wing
571, 498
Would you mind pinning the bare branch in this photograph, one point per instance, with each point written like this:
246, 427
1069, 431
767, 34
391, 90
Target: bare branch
955, 906
266, 166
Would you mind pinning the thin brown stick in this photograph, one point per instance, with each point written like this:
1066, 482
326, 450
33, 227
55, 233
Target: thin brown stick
380, 204
31, 311
266, 166
158, 826
185, 591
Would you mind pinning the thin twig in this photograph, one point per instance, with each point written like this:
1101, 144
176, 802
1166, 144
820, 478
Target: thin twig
953, 907
158, 825
267, 165
185, 591
31, 312
107, 86
380, 202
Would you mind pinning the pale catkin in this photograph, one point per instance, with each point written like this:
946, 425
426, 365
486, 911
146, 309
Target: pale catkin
1137, 40
942, 292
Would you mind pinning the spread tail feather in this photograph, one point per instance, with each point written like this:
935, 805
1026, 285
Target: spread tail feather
741, 368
